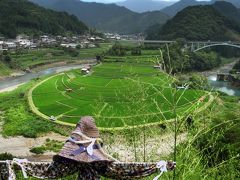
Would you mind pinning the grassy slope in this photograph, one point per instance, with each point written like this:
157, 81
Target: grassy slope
18, 120
4, 70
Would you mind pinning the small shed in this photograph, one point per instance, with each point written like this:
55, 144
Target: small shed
85, 70
52, 118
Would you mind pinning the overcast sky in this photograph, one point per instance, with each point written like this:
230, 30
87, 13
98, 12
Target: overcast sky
112, 1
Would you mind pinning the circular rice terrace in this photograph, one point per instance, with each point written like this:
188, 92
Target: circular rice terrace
118, 95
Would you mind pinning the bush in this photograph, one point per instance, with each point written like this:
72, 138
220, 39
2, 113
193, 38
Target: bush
38, 150
136, 51
72, 52
198, 82
236, 68
117, 50
6, 156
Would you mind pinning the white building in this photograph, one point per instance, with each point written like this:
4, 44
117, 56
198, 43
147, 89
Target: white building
1, 45
70, 45
91, 39
44, 38
10, 45
91, 46
24, 43
33, 45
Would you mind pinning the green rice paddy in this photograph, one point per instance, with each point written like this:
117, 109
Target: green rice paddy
118, 94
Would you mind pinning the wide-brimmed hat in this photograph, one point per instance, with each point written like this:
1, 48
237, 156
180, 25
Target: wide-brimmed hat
84, 144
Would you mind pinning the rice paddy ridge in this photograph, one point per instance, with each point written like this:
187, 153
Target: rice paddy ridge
98, 93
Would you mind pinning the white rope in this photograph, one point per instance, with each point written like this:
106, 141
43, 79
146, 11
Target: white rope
88, 141
162, 166
19, 163
89, 147
11, 174
80, 142
83, 135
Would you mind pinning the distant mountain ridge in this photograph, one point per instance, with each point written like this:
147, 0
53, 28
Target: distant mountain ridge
228, 10
21, 16
107, 17
203, 22
145, 5
172, 10
180, 5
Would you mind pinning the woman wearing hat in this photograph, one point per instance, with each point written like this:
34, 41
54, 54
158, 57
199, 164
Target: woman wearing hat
83, 154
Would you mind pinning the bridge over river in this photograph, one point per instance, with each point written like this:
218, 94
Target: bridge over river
192, 45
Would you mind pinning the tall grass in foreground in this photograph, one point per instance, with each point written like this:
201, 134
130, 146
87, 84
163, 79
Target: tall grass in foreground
205, 144
169, 139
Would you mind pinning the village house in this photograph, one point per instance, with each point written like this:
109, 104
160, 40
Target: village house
44, 39
47, 41
91, 39
91, 45
33, 45
69, 45
99, 39
24, 43
9, 45
1, 45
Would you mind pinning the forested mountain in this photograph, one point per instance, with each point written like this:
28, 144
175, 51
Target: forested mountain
180, 5
22, 16
107, 17
198, 23
236, 3
228, 9
145, 5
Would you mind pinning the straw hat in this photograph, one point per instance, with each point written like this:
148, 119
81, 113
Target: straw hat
84, 144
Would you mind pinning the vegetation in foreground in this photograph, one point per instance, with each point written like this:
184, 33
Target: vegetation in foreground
49, 145
17, 118
211, 150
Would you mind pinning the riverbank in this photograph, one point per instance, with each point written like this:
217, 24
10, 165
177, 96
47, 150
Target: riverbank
222, 69
222, 86
17, 72
10, 83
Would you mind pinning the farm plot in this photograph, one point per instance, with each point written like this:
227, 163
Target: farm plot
116, 94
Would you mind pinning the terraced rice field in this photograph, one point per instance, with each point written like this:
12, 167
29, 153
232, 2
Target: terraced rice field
116, 94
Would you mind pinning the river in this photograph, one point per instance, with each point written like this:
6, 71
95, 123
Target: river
222, 85
12, 83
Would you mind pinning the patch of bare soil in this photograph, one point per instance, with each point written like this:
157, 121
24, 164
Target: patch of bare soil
155, 148
20, 146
